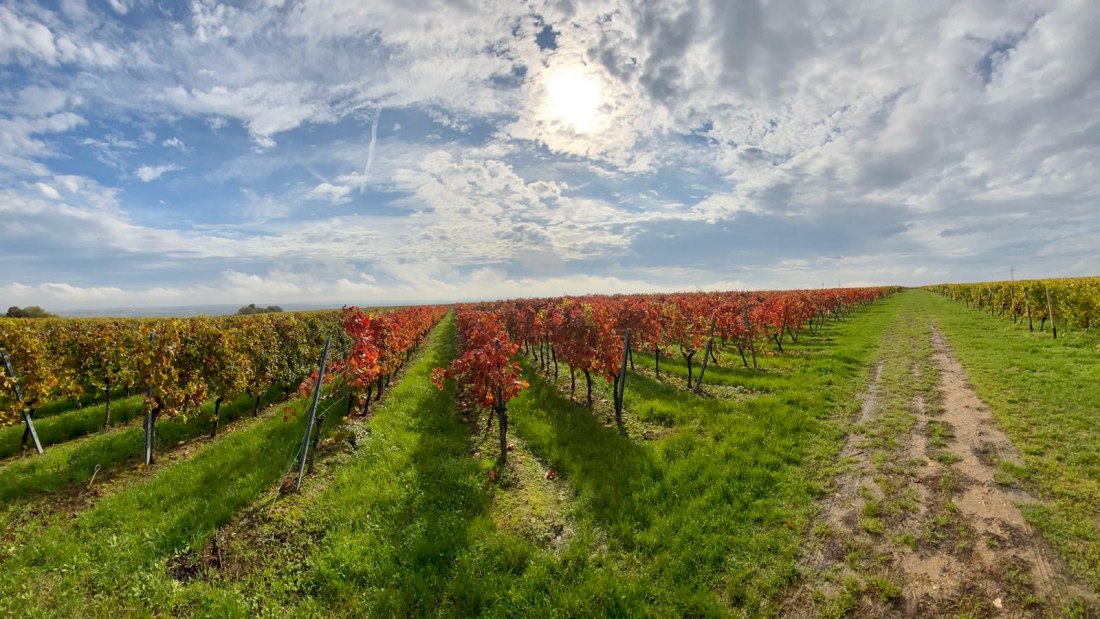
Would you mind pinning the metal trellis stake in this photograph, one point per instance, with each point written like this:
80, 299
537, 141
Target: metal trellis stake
26, 411
312, 415
149, 420
1050, 313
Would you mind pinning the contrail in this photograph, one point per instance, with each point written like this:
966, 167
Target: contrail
370, 148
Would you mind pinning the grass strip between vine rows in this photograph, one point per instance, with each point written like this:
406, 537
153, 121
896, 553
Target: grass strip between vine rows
110, 559
706, 519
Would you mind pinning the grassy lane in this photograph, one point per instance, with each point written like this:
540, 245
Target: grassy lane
75, 461
113, 559
406, 528
704, 519
712, 513
878, 509
109, 560
63, 426
1045, 393
65, 405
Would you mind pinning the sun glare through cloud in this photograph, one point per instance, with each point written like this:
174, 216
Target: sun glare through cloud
573, 98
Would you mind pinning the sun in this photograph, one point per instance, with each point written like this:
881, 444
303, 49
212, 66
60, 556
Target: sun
573, 98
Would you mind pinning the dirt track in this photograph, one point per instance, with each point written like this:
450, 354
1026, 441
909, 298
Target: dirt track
917, 524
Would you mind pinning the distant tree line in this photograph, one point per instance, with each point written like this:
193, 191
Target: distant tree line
31, 311
252, 309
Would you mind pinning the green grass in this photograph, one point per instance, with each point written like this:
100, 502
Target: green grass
887, 470
76, 461
408, 530
109, 560
1045, 393
706, 520
714, 513
65, 425
65, 405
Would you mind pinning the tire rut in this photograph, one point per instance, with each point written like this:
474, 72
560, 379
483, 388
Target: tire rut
989, 508
917, 524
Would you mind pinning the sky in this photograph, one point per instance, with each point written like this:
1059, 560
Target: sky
340, 151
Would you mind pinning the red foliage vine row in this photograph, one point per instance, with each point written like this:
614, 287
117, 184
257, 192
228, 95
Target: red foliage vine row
589, 334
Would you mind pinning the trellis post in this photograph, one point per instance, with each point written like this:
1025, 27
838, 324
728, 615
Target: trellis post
312, 415
150, 417
26, 411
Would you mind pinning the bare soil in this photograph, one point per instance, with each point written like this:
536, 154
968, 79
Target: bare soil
923, 529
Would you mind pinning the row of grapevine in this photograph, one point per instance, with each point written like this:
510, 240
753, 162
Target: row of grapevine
177, 364
594, 334
485, 371
377, 346
587, 332
1073, 301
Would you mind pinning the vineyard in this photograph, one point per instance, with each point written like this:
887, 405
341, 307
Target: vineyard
177, 362
762, 453
1074, 301
593, 335
177, 365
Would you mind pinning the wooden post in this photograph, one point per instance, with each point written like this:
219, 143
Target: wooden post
1012, 301
316, 439
748, 331
107, 404
502, 416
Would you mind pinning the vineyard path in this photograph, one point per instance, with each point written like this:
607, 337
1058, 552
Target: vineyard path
916, 524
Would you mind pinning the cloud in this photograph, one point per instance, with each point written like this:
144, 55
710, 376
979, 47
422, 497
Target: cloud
330, 192
370, 148
234, 287
150, 173
26, 40
25, 37
47, 191
266, 108
120, 6
21, 145
767, 143
174, 142
41, 100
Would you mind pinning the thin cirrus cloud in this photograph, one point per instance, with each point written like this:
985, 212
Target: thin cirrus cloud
337, 151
